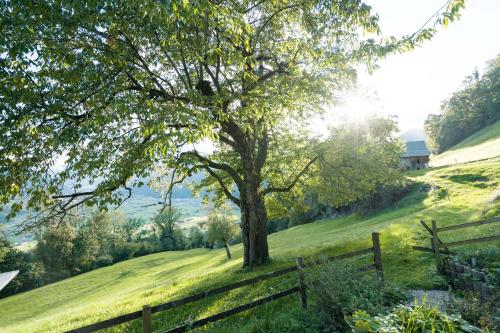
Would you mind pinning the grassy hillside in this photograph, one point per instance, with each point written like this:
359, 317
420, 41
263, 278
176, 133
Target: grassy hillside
472, 193
481, 145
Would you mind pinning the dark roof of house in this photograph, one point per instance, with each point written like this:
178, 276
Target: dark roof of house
416, 148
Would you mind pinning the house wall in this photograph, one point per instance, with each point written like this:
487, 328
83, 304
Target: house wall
414, 162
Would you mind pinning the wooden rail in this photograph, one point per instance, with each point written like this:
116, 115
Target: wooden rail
470, 224
438, 247
474, 240
212, 292
147, 311
233, 311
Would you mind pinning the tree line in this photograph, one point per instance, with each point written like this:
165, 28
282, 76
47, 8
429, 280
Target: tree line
469, 109
79, 244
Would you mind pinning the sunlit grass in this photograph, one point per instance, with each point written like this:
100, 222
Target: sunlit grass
482, 145
157, 278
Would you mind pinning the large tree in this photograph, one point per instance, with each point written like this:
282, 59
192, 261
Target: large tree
111, 89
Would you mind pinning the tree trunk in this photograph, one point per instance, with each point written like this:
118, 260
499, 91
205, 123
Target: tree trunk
227, 251
253, 225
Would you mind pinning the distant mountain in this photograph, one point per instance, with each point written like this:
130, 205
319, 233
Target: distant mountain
414, 134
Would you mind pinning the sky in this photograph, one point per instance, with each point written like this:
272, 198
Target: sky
413, 85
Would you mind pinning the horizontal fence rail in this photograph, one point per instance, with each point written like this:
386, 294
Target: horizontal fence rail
470, 224
233, 311
186, 300
147, 311
471, 241
212, 292
427, 249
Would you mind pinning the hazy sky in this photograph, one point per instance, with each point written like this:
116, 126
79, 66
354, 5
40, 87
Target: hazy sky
413, 84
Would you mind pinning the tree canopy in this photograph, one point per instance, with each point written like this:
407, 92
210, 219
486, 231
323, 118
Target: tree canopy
94, 94
356, 158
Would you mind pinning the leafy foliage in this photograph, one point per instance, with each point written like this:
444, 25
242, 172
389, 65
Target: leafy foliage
419, 318
221, 228
81, 244
341, 290
196, 237
356, 160
201, 269
170, 237
481, 314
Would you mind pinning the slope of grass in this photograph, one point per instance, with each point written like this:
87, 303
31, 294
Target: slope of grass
157, 278
479, 146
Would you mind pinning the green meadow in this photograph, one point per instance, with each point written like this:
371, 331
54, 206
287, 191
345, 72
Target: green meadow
466, 192
481, 145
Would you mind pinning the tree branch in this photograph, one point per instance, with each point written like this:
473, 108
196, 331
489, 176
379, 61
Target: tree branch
292, 184
228, 193
216, 165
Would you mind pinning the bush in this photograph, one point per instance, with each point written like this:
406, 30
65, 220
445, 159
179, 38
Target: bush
277, 224
196, 238
102, 261
124, 251
338, 295
145, 247
471, 309
300, 217
172, 240
383, 197
416, 319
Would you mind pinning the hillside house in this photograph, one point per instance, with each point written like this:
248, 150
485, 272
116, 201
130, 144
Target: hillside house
416, 156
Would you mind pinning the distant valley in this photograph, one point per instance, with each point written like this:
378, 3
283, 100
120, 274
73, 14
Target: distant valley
144, 203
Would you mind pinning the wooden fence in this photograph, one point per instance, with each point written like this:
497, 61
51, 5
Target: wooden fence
460, 275
147, 311
438, 247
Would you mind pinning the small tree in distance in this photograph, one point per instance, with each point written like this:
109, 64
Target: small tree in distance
165, 222
221, 228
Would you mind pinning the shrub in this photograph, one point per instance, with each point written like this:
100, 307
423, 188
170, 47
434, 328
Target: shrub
419, 318
471, 309
383, 197
338, 294
146, 247
124, 251
103, 261
277, 224
196, 237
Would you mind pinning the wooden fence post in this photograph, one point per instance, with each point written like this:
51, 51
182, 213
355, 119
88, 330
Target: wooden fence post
147, 322
377, 255
302, 286
435, 246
